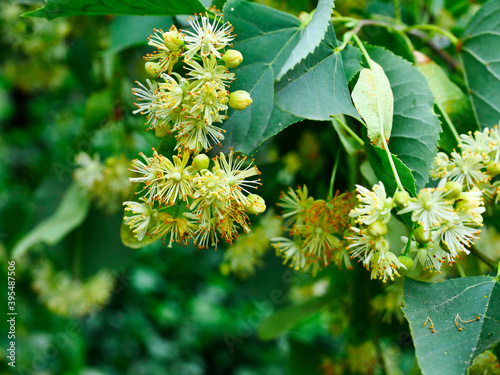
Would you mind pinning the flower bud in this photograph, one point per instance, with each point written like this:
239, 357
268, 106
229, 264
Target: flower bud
377, 229
257, 204
162, 131
421, 236
445, 247
493, 169
173, 40
150, 69
232, 58
468, 201
200, 162
406, 261
239, 100
401, 198
454, 189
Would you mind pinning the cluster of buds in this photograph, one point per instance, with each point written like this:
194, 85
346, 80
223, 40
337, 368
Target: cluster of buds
446, 221
107, 182
186, 202
191, 107
316, 229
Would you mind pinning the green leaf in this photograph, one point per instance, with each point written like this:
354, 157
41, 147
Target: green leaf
129, 239
415, 127
311, 37
316, 88
351, 145
371, 91
132, 31
450, 100
449, 350
481, 61
381, 166
284, 320
69, 214
351, 58
64, 8
446, 93
264, 34
266, 37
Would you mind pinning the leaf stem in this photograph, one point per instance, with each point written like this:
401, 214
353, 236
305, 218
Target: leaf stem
485, 259
408, 244
379, 112
448, 121
453, 39
397, 9
334, 173
348, 130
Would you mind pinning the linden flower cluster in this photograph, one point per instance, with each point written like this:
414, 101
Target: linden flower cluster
446, 221
69, 297
108, 183
185, 201
316, 228
191, 107
475, 165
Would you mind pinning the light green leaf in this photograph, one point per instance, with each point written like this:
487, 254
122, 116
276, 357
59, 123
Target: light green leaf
481, 61
64, 8
446, 93
284, 320
449, 350
316, 88
70, 214
450, 100
415, 126
381, 166
132, 31
129, 239
371, 91
351, 145
311, 37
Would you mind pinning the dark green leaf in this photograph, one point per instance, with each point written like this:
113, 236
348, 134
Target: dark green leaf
382, 168
131, 31
316, 88
64, 8
69, 214
449, 350
311, 37
351, 58
284, 320
415, 128
481, 60
265, 38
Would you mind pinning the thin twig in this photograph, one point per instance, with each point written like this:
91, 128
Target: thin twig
445, 56
484, 258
